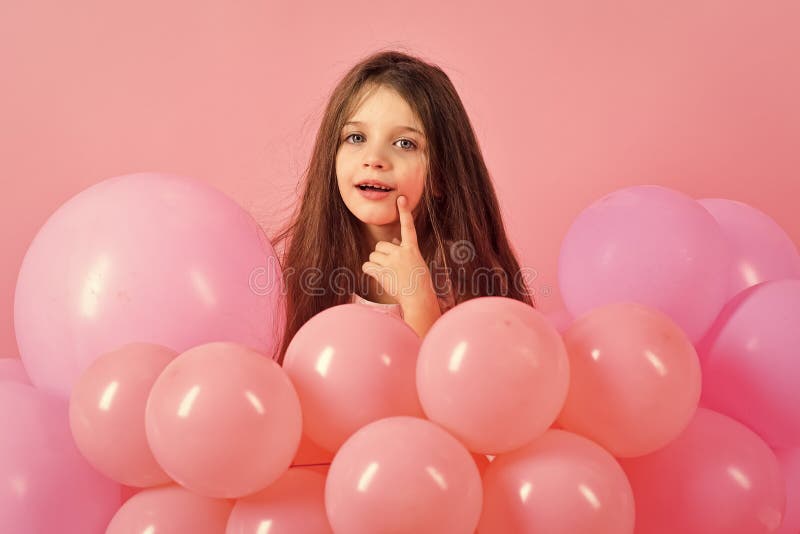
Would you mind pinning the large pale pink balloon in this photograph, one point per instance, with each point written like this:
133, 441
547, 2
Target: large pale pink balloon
11, 369
762, 251
647, 244
751, 368
717, 477
406, 476
494, 372
143, 257
561, 483
634, 379
352, 365
107, 408
790, 467
45, 483
223, 421
294, 503
170, 510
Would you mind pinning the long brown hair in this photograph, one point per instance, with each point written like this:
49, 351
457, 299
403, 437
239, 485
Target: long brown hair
458, 209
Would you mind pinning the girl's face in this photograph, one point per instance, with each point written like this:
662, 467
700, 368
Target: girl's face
376, 145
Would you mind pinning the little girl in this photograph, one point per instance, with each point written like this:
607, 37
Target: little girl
398, 209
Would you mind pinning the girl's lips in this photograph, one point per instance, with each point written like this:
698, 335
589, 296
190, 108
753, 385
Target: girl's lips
372, 194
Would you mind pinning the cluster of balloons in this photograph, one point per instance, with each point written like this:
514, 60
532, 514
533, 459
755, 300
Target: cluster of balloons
667, 405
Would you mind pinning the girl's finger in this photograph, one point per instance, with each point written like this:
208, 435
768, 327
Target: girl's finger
386, 247
378, 257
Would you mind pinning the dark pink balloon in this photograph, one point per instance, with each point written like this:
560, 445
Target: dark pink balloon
144, 257
751, 369
107, 408
352, 365
761, 249
47, 486
406, 476
790, 467
170, 510
717, 477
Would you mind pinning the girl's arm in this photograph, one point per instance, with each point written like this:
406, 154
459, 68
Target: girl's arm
421, 312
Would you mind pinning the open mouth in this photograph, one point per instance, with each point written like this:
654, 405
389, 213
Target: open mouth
373, 188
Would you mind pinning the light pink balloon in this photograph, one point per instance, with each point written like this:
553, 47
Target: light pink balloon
143, 257
634, 379
717, 477
11, 369
494, 372
352, 365
47, 486
561, 483
223, 421
762, 251
790, 467
107, 409
406, 476
751, 369
170, 510
292, 504
651, 245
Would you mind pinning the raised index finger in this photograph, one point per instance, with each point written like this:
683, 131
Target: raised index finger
408, 234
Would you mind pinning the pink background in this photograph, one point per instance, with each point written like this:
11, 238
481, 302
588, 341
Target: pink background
570, 100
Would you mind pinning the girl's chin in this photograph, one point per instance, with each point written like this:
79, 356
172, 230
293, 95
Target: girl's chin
377, 221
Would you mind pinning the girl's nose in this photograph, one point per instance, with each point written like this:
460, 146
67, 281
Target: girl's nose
374, 162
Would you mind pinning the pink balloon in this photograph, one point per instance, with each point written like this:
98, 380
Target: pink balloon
634, 379
751, 369
481, 462
560, 483
47, 486
170, 509
761, 249
309, 453
494, 372
352, 365
651, 245
717, 477
294, 503
107, 409
11, 369
128, 492
143, 257
790, 467
560, 319
406, 476
223, 421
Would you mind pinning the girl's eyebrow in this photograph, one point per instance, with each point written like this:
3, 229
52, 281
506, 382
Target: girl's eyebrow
409, 128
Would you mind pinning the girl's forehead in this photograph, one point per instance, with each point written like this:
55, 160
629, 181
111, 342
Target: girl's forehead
383, 104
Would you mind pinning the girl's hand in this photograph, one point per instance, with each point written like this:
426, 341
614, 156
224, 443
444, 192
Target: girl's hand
399, 266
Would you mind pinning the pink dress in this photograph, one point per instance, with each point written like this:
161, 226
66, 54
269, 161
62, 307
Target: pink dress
445, 303
391, 309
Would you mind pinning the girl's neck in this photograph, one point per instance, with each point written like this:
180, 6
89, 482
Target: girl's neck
378, 294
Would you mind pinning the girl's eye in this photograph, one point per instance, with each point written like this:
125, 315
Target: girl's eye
412, 145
